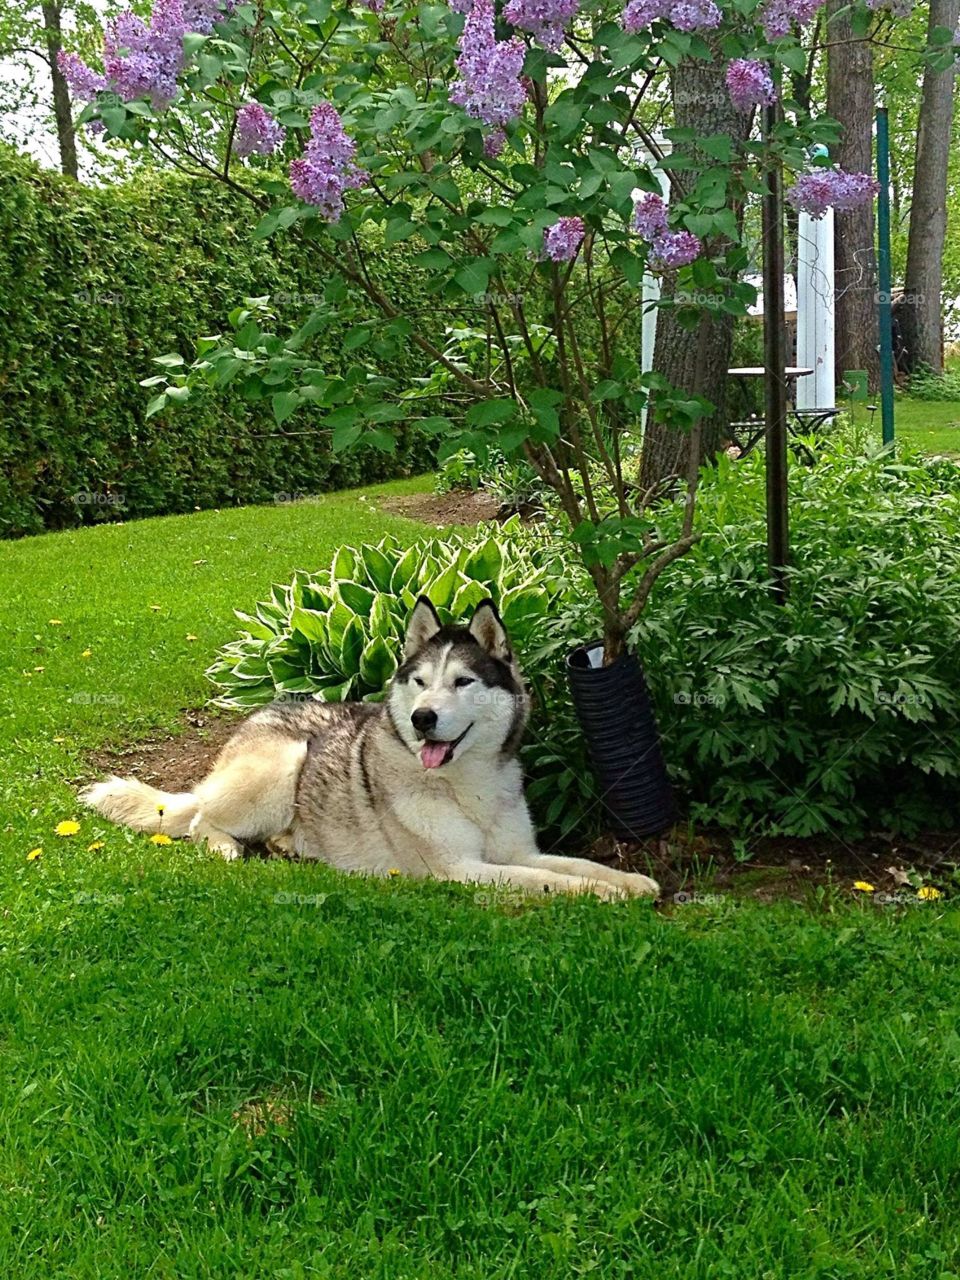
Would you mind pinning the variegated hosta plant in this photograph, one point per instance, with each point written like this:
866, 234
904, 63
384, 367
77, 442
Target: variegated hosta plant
337, 634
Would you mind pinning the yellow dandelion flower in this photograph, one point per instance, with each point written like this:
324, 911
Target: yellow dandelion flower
863, 886
56, 622
97, 844
39, 668
59, 739
394, 871
34, 854
67, 828
161, 809
927, 893
160, 838
190, 637
155, 607
87, 653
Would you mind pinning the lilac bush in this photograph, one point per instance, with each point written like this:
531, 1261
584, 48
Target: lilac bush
498, 143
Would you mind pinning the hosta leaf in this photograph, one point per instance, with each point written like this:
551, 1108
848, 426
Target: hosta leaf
254, 627
379, 568
443, 587
406, 570
356, 597
352, 646
484, 562
381, 619
336, 692
344, 565
468, 597
523, 604
377, 663
309, 623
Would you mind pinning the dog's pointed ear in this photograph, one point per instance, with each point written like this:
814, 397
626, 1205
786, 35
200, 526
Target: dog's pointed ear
423, 626
489, 632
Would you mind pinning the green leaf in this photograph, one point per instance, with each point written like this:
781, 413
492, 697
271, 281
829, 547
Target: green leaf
356, 597
473, 276
489, 412
377, 663
352, 646
284, 404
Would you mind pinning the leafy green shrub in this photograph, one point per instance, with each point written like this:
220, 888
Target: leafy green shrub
104, 278
925, 385
839, 712
336, 635
511, 480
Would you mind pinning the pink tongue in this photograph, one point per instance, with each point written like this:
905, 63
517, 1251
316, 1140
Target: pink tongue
434, 754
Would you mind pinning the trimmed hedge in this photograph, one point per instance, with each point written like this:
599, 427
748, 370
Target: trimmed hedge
95, 282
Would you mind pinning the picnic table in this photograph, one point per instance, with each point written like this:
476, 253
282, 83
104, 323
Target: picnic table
747, 433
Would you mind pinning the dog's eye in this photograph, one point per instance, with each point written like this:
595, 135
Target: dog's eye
462, 682
421, 684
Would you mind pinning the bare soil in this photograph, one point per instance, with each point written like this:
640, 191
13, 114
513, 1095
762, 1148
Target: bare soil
171, 763
457, 508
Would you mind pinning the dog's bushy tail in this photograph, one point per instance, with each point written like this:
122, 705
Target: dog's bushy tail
134, 804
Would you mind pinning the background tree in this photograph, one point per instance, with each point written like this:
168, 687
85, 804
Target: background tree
34, 97
851, 102
921, 316
703, 109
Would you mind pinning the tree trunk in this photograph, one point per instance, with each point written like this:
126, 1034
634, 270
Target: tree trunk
921, 324
850, 100
701, 102
66, 136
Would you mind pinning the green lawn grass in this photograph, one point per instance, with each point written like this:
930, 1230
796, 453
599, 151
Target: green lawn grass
266, 1070
931, 425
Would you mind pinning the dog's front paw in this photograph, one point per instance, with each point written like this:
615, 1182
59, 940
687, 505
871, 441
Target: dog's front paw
638, 886
605, 890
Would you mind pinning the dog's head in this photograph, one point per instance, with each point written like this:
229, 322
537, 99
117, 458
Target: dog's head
458, 689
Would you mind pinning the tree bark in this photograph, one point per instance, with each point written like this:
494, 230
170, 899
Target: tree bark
701, 101
62, 113
921, 319
850, 100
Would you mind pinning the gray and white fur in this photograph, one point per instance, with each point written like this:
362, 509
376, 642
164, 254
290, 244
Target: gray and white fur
426, 783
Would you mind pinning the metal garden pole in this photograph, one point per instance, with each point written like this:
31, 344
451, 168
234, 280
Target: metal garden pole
775, 365
885, 301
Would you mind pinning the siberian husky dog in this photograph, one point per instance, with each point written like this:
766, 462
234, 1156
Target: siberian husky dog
426, 783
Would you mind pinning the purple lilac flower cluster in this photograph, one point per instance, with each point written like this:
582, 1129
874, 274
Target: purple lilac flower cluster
750, 84
326, 168
685, 15
489, 88
140, 59
375, 6
650, 216
257, 133
821, 189
674, 249
493, 143
779, 16
562, 241
546, 20
667, 248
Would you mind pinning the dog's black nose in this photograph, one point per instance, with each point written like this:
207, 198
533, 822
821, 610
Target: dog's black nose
424, 720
